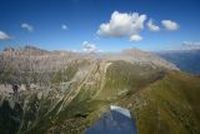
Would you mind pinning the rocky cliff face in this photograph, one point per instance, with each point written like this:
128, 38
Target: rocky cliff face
67, 92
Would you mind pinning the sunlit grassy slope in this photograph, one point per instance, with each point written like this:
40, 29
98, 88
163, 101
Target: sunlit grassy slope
161, 102
170, 105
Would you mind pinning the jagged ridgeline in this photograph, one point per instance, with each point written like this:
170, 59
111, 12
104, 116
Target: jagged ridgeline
66, 92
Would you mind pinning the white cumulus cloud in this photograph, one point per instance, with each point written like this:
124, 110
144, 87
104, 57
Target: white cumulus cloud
131, 25
170, 25
28, 27
4, 36
152, 27
89, 47
135, 38
122, 24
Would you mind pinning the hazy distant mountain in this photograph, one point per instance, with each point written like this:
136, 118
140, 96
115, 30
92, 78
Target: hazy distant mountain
24, 51
186, 60
64, 92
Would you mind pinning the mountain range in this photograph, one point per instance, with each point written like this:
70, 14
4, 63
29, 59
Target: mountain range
186, 60
67, 92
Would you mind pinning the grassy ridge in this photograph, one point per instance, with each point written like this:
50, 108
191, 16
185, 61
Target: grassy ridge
126, 78
170, 105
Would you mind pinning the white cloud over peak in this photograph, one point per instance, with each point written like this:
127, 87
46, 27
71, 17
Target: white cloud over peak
28, 27
89, 47
122, 24
170, 25
152, 27
135, 37
64, 27
4, 36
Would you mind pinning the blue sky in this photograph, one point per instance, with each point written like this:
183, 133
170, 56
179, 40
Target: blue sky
74, 24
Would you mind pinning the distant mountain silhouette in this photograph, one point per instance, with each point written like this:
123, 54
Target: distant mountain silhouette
187, 60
